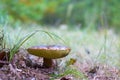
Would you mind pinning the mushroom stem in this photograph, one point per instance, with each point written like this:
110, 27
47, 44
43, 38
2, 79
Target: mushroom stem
47, 63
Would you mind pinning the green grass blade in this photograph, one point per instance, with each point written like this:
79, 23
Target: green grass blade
25, 38
53, 36
19, 44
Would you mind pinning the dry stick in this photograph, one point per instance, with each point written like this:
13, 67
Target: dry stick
14, 71
5, 62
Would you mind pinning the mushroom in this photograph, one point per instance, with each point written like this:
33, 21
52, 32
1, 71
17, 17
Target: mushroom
49, 52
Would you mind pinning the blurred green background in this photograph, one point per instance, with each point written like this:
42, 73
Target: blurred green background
84, 13
89, 33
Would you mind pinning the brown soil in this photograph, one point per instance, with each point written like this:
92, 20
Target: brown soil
28, 67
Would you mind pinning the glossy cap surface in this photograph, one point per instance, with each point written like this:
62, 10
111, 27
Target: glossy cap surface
49, 51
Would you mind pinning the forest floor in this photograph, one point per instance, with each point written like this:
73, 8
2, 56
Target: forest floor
94, 56
28, 67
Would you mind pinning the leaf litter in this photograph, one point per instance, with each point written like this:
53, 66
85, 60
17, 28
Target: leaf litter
27, 67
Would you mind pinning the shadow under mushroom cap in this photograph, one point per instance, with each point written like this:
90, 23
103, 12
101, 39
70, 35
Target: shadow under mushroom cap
49, 51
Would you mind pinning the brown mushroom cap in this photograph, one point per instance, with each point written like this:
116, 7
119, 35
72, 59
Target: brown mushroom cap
49, 51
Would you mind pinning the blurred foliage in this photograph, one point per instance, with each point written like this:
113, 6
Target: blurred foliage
86, 13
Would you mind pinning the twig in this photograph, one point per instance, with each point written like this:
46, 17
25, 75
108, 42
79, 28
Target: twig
5, 62
14, 71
